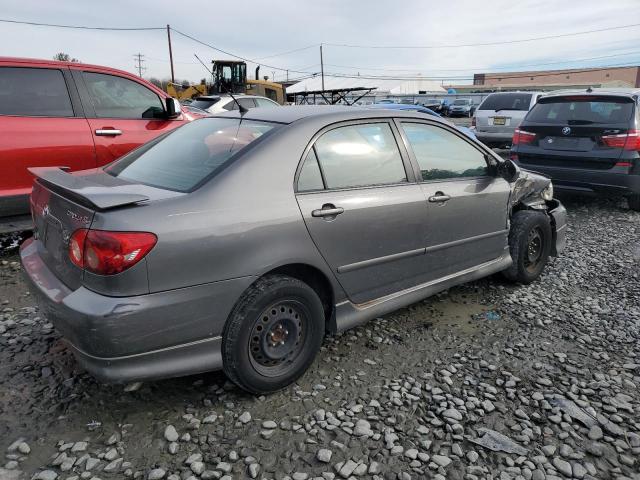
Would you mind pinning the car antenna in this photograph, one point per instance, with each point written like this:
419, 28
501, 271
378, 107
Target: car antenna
242, 109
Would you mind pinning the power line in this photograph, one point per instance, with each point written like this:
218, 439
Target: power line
79, 27
469, 69
233, 54
486, 44
290, 51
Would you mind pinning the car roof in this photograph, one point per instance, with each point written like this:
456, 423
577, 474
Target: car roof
330, 113
619, 92
208, 97
395, 106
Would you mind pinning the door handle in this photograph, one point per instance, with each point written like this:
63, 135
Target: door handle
439, 197
327, 210
108, 132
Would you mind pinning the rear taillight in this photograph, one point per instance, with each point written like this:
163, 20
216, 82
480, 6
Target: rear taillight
108, 253
522, 137
626, 141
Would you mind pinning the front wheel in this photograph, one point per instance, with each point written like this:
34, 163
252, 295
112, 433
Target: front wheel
634, 202
273, 334
530, 240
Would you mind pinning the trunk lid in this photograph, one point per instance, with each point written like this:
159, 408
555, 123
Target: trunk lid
61, 203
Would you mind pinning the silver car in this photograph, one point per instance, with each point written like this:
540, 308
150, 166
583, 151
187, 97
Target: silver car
500, 113
236, 241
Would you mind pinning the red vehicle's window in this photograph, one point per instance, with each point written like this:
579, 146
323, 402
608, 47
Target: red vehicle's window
34, 92
117, 97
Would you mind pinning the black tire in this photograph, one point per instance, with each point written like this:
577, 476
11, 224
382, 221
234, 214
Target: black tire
256, 360
530, 240
634, 202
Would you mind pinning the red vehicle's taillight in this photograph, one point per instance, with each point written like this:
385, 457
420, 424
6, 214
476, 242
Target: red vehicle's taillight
522, 137
626, 141
107, 253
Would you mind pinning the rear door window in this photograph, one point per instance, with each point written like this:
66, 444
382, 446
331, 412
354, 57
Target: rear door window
582, 111
187, 156
34, 92
442, 154
506, 101
118, 97
360, 155
310, 177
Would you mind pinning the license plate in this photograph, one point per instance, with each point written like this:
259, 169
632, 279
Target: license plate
499, 120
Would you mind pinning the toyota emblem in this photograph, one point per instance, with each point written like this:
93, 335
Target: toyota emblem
566, 131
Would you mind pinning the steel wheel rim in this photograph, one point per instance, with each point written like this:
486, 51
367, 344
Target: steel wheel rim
534, 249
277, 337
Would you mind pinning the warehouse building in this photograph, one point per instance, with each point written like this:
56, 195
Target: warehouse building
554, 79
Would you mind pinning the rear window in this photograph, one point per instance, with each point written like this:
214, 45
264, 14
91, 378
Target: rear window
506, 101
186, 157
582, 110
204, 103
34, 92
462, 102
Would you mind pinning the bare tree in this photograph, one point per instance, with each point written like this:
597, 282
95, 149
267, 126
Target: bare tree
64, 57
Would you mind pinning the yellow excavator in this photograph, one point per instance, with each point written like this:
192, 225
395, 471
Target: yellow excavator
230, 76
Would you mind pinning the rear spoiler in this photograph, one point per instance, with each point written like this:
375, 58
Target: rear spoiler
94, 195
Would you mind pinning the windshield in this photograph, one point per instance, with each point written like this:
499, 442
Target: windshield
461, 102
204, 103
190, 154
507, 101
582, 110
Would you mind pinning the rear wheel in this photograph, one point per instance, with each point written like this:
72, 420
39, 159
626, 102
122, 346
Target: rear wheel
634, 202
530, 240
273, 334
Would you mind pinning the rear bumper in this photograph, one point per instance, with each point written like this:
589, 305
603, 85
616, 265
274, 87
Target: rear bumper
120, 339
493, 137
589, 181
11, 205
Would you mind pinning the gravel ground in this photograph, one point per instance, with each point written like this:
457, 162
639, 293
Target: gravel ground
486, 380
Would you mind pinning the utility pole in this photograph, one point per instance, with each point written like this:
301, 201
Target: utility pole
173, 77
138, 59
322, 67
287, 75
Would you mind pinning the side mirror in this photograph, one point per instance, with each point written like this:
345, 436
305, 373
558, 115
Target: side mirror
172, 108
509, 171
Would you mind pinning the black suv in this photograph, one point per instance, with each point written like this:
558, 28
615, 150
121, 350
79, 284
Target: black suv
585, 140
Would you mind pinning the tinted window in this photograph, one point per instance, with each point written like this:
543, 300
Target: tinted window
117, 97
442, 154
310, 177
506, 101
462, 102
34, 92
359, 155
582, 111
204, 103
188, 155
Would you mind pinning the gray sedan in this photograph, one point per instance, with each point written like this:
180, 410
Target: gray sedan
236, 241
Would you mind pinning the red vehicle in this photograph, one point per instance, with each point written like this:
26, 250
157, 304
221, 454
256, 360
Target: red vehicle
72, 115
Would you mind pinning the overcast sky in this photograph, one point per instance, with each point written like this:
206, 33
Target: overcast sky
256, 29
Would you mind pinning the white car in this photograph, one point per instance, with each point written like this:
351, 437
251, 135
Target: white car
224, 103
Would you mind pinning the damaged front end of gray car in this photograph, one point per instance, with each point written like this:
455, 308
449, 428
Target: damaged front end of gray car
535, 192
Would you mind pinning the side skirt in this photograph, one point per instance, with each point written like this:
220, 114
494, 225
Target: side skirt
349, 315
